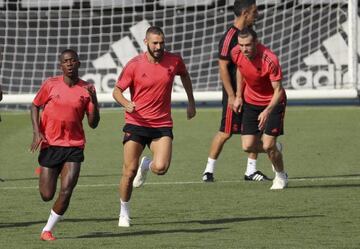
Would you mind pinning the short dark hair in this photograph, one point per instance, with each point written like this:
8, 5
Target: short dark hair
247, 32
154, 30
68, 50
241, 5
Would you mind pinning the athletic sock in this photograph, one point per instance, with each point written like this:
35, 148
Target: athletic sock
281, 174
124, 208
53, 219
210, 166
250, 167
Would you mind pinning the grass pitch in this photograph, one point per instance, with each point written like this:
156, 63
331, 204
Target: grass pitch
320, 209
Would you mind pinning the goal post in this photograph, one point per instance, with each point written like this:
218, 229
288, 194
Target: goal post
316, 42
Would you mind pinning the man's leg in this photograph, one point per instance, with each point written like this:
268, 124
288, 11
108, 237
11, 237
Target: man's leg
47, 182
216, 147
162, 151
269, 144
132, 153
69, 177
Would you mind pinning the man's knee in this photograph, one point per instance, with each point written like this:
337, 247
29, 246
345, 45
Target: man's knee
223, 137
129, 172
249, 148
160, 168
47, 195
269, 148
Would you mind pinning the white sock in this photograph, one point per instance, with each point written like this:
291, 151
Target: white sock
210, 166
124, 208
53, 219
250, 167
281, 174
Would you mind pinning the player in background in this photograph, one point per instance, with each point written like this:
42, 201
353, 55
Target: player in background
262, 100
59, 133
245, 14
149, 76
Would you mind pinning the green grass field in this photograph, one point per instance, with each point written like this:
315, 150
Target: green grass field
320, 209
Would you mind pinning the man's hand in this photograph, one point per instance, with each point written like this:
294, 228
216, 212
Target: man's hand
130, 107
237, 105
263, 118
191, 111
230, 102
92, 92
38, 139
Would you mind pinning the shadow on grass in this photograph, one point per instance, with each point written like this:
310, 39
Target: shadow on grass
37, 178
30, 223
197, 230
203, 222
324, 177
237, 219
141, 233
327, 186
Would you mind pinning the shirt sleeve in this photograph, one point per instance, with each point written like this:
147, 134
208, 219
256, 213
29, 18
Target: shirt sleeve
126, 77
43, 95
275, 70
226, 43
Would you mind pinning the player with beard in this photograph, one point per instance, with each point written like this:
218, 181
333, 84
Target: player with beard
149, 76
64, 101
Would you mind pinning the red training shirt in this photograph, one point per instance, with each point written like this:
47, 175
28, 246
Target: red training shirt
64, 108
258, 74
150, 88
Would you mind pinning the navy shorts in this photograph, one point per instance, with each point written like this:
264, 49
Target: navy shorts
274, 126
145, 135
56, 156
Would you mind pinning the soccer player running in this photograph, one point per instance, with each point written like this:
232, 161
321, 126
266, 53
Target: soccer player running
245, 14
262, 100
149, 76
59, 133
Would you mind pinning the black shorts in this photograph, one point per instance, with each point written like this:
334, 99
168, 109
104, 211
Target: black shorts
230, 120
56, 156
145, 135
274, 126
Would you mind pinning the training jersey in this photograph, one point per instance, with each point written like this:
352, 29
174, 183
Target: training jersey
64, 108
258, 74
150, 87
227, 42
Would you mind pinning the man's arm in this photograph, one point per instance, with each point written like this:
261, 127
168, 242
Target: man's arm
119, 97
1, 93
264, 115
38, 137
186, 81
226, 80
93, 116
239, 92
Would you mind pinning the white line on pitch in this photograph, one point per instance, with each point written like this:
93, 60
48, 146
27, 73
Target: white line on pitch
314, 179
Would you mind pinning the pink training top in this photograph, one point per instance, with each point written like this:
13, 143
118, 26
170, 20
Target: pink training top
150, 88
258, 74
63, 111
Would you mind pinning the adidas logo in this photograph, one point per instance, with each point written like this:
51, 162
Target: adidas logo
124, 50
325, 67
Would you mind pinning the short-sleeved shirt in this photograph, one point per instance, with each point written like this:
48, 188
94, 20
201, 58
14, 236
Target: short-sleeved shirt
258, 74
64, 108
150, 87
227, 42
